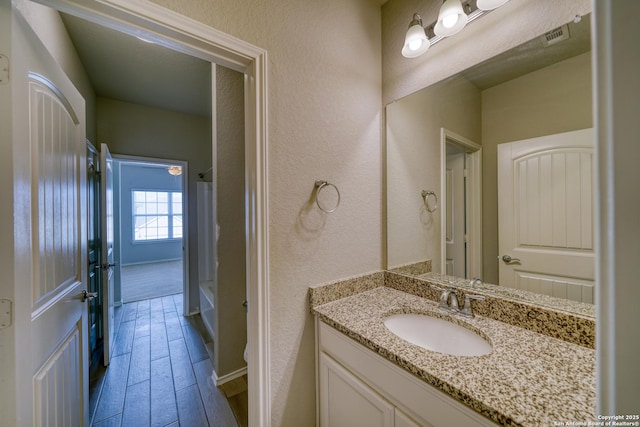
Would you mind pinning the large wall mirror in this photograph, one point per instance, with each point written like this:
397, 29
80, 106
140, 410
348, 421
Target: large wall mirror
490, 174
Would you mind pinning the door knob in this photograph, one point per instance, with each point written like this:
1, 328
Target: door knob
105, 266
507, 259
87, 296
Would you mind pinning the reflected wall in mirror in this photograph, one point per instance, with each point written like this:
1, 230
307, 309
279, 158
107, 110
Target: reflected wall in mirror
533, 91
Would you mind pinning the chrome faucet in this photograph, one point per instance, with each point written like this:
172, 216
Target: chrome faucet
467, 311
474, 281
449, 301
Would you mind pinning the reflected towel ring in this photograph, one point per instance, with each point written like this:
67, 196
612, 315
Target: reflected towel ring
319, 186
425, 197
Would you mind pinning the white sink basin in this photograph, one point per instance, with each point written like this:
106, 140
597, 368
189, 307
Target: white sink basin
437, 335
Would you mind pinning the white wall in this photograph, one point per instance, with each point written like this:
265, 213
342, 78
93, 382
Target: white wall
230, 283
413, 164
324, 123
135, 130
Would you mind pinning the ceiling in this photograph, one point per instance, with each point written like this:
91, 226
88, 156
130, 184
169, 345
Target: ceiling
532, 55
127, 69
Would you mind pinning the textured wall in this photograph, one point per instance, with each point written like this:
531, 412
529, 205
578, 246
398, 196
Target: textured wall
510, 25
324, 123
413, 164
150, 132
230, 283
552, 100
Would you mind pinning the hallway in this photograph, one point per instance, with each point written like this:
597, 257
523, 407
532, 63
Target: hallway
160, 371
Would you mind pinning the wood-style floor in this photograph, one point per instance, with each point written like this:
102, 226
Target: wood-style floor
160, 372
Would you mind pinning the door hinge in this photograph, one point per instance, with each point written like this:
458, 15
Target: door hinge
6, 313
465, 171
4, 70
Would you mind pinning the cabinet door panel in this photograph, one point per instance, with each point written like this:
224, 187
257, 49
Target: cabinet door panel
403, 420
347, 401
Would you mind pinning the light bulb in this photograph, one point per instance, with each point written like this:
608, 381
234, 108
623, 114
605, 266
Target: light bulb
451, 19
415, 42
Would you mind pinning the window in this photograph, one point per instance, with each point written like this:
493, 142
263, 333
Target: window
157, 215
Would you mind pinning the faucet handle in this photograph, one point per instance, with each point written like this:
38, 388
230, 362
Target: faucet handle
474, 281
437, 288
467, 310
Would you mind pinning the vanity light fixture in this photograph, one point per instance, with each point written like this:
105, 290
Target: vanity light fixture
416, 42
490, 4
453, 17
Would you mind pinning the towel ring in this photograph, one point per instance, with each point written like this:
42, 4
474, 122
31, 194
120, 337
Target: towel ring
425, 196
320, 185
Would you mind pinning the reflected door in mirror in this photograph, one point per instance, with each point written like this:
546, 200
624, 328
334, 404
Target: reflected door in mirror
545, 201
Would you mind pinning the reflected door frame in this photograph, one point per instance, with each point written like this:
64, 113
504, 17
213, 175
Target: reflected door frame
473, 165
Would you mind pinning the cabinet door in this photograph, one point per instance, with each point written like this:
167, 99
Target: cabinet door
348, 402
403, 420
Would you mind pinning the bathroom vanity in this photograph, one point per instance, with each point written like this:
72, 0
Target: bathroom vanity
369, 376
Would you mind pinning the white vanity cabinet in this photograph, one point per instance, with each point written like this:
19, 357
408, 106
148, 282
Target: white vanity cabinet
357, 387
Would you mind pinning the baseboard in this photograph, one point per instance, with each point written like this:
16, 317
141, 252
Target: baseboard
218, 381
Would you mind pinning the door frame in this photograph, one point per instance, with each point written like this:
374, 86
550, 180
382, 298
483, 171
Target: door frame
186, 35
185, 213
473, 165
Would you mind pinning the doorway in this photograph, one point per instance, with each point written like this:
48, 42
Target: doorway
461, 220
206, 43
149, 204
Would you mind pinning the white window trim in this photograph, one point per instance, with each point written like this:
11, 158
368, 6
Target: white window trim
170, 215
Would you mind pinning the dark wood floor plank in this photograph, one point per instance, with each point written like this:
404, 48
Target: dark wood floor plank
156, 310
123, 342
140, 367
168, 304
219, 414
137, 406
168, 374
159, 342
190, 410
113, 391
129, 312
114, 421
163, 397
183, 375
173, 326
195, 345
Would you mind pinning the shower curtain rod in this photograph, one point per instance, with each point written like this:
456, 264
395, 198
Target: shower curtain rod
202, 174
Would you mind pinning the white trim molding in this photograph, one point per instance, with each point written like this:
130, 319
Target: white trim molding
218, 381
170, 29
473, 201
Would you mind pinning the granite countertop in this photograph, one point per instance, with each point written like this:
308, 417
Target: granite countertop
529, 379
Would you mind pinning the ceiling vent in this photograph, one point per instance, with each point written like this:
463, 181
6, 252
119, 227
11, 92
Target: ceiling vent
556, 35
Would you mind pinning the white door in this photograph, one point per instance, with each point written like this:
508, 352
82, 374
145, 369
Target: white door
49, 173
545, 215
455, 211
108, 256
